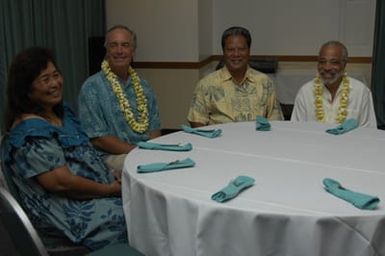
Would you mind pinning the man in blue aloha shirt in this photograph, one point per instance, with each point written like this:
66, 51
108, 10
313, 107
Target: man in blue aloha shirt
117, 109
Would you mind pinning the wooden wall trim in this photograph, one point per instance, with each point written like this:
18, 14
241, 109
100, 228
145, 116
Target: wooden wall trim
173, 64
314, 58
202, 63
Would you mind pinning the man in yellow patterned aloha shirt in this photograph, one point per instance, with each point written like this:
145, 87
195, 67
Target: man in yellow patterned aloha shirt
236, 92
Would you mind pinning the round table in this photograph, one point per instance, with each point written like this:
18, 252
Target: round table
286, 212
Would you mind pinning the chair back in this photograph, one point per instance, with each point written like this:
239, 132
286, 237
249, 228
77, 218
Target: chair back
21, 232
6, 170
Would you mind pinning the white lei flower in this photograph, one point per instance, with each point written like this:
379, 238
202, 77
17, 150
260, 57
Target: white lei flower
141, 125
344, 100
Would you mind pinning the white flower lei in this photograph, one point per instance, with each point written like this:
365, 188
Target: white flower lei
142, 124
344, 100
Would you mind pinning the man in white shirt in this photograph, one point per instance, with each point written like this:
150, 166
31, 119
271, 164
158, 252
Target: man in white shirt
332, 96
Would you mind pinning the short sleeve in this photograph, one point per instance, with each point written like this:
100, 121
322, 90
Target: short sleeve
38, 155
91, 112
367, 116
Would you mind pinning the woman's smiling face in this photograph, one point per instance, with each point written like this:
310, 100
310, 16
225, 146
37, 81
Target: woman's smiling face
47, 88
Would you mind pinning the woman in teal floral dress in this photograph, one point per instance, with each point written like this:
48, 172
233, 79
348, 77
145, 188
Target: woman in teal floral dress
64, 186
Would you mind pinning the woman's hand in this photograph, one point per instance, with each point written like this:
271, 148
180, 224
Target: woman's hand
117, 174
116, 188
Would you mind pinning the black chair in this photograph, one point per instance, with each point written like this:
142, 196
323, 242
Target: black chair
287, 109
10, 185
23, 235
165, 131
24, 238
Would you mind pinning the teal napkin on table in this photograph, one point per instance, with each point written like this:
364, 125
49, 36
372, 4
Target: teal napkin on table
169, 147
262, 124
157, 167
233, 188
213, 133
346, 126
359, 200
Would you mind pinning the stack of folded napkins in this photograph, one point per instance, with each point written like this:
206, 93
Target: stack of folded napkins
359, 200
262, 124
209, 133
169, 147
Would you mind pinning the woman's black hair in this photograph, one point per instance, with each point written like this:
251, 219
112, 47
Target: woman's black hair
24, 69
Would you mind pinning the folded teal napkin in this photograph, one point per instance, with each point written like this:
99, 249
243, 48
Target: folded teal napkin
346, 126
169, 147
359, 200
202, 132
233, 188
262, 124
157, 167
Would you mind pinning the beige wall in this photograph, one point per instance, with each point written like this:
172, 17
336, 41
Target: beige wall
186, 30
205, 28
167, 30
174, 90
298, 27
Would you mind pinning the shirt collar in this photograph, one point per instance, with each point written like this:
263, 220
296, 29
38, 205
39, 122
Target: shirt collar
225, 74
338, 89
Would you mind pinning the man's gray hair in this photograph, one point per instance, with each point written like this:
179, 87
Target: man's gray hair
132, 33
339, 44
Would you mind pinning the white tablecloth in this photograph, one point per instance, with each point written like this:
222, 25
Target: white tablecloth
286, 212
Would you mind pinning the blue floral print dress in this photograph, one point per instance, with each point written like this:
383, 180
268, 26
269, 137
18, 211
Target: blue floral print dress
34, 147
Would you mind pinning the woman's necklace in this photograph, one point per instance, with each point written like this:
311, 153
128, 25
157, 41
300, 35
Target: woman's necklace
141, 125
344, 100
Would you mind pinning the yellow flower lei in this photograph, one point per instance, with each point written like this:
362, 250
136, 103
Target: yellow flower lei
344, 100
142, 124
